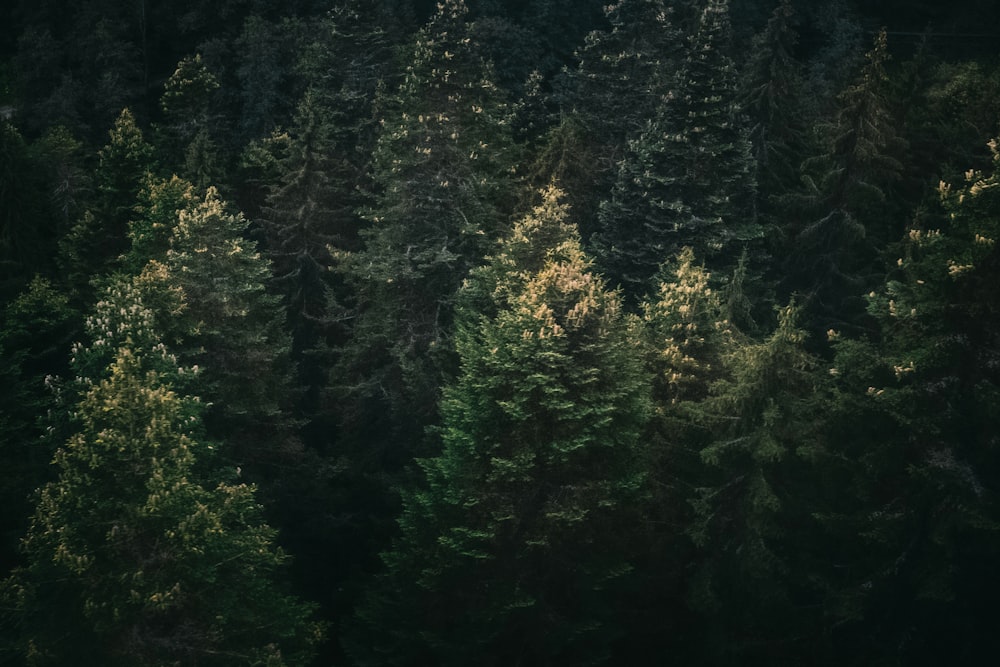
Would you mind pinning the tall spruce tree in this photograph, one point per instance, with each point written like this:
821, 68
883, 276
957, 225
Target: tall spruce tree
833, 257
753, 508
141, 552
309, 216
511, 552
688, 179
91, 249
924, 513
771, 93
622, 77
442, 174
231, 327
36, 330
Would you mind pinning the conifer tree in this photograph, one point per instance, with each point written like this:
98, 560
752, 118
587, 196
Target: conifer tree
140, 552
771, 93
442, 172
507, 553
308, 217
93, 246
754, 501
688, 179
23, 223
622, 77
189, 121
232, 328
36, 330
925, 514
833, 256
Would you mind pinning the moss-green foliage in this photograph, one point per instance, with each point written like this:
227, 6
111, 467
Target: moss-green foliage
928, 517
541, 465
93, 246
688, 178
134, 558
443, 176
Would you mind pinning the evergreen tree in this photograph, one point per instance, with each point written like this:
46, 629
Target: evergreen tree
511, 551
36, 329
833, 256
753, 507
307, 218
93, 246
443, 176
623, 76
687, 342
232, 328
926, 517
187, 136
135, 555
23, 224
771, 95
688, 179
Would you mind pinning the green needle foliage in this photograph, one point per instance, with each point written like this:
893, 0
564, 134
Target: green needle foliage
141, 553
688, 178
512, 549
93, 246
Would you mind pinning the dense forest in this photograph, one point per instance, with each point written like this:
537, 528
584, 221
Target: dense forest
499, 332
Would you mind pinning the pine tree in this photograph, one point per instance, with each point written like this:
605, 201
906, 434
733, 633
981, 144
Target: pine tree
771, 94
140, 553
833, 257
688, 179
36, 329
443, 176
232, 328
754, 500
187, 136
622, 77
93, 246
308, 217
506, 553
925, 512
22, 213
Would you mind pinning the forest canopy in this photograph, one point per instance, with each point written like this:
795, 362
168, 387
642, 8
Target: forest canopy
483, 332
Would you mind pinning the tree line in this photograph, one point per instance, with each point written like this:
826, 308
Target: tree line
382, 333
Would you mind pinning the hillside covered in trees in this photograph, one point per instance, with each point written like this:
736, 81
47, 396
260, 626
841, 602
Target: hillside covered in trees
496, 332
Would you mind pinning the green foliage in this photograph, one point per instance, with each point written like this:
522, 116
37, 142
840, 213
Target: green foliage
35, 331
156, 212
688, 178
24, 227
771, 87
92, 248
833, 256
752, 510
623, 76
929, 514
443, 172
509, 546
132, 559
232, 328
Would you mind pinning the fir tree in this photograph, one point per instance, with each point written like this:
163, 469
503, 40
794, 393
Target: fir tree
833, 257
232, 328
36, 330
688, 179
622, 78
309, 216
137, 554
754, 500
443, 176
771, 94
508, 549
93, 246
925, 512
